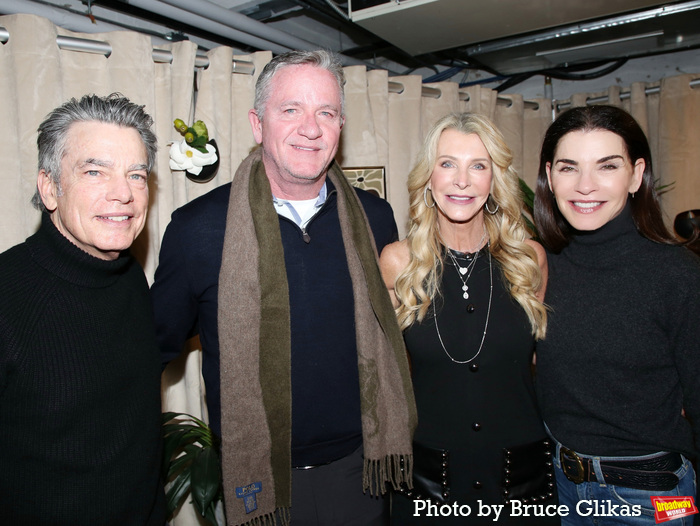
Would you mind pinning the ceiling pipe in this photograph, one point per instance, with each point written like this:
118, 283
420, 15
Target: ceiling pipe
211, 25
77, 22
60, 17
211, 11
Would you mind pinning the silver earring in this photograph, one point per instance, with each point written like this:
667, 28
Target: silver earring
425, 197
632, 193
486, 206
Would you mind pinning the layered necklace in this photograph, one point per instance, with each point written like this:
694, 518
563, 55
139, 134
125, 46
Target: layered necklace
462, 272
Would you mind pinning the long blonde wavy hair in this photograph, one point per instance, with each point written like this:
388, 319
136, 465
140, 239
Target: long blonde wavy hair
418, 284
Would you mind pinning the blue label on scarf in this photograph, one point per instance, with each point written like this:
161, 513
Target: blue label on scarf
247, 493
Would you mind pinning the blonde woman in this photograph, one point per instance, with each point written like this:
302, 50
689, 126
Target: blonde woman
467, 284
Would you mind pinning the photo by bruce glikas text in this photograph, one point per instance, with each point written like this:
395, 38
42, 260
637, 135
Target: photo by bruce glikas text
515, 509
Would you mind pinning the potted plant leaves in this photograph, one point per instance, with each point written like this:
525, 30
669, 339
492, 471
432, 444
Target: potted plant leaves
191, 465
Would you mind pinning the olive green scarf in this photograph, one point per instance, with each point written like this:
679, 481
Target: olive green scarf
255, 343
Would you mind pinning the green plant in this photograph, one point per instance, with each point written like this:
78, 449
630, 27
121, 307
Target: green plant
661, 189
529, 207
191, 464
196, 135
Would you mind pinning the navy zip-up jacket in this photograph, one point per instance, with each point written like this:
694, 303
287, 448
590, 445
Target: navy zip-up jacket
325, 386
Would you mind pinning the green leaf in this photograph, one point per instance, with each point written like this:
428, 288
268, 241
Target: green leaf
528, 194
663, 188
184, 461
174, 429
170, 444
529, 206
205, 478
191, 464
180, 438
168, 416
201, 129
176, 493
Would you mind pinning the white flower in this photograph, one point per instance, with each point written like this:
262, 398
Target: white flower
182, 157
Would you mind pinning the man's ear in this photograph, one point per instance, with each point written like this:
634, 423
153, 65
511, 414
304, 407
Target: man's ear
256, 125
48, 190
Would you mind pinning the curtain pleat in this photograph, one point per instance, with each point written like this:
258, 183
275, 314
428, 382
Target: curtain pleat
433, 109
481, 100
30, 86
358, 141
678, 161
535, 124
173, 100
377, 86
404, 143
510, 121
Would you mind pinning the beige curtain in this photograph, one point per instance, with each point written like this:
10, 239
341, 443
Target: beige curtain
405, 136
480, 100
678, 161
173, 85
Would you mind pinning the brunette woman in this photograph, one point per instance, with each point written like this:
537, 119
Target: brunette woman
618, 375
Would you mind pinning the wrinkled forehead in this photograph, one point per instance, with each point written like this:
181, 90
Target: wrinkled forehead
303, 82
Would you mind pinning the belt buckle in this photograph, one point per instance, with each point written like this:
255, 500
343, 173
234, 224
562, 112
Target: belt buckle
578, 477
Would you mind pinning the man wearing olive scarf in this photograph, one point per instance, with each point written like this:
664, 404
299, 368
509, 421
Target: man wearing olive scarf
316, 405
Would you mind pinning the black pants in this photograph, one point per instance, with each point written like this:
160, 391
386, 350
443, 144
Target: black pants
331, 495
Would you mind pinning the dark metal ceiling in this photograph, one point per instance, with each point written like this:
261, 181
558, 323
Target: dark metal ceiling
441, 39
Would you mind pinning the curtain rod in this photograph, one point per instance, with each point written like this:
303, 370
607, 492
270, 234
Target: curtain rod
436, 93
244, 67
161, 56
623, 95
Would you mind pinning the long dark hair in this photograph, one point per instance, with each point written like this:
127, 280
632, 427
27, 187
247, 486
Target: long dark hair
554, 231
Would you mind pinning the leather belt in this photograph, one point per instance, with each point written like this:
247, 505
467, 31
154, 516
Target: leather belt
655, 473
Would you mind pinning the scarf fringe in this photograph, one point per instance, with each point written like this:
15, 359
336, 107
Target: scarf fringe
396, 470
279, 517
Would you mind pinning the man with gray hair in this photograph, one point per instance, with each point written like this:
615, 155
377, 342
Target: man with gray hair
306, 374
80, 424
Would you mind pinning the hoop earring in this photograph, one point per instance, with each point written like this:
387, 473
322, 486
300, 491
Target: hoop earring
486, 206
425, 197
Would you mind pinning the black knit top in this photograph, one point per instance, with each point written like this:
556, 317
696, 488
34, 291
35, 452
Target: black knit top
621, 360
79, 388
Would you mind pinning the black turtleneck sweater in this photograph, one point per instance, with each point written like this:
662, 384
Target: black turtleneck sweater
621, 359
80, 438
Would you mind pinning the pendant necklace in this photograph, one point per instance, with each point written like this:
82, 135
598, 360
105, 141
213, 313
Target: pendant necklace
486, 324
465, 272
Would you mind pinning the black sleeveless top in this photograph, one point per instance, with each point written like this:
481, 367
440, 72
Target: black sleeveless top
473, 409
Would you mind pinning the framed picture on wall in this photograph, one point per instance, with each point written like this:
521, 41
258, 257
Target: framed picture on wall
371, 179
